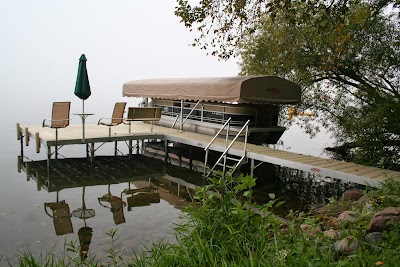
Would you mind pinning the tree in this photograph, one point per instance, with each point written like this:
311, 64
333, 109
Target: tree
223, 23
345, 54
349, 67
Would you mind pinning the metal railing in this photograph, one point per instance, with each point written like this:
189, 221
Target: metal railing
199, 112
224, 155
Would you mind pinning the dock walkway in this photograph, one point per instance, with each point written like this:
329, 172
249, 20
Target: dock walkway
141, 131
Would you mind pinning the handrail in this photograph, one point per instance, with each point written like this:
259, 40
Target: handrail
191, 110
223, 156
216, 135
198, 102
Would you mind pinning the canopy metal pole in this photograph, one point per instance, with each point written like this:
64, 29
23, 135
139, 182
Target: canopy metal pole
181, 116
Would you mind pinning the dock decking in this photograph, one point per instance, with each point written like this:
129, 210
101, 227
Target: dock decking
141, 131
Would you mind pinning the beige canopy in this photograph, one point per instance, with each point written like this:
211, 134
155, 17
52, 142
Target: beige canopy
240, 89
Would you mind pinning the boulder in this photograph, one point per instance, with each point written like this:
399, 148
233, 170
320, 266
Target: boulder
352, 195
334, 234
349, 216
374, 238
383, 220
309, 229
347, 245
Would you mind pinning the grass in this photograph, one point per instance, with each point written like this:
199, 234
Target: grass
221, 228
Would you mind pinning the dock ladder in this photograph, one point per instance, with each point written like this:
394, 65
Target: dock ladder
222, 161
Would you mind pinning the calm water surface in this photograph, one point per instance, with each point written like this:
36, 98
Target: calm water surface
142, 197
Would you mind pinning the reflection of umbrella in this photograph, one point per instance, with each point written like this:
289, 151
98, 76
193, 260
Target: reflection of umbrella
85, 233
84, 213
82, 88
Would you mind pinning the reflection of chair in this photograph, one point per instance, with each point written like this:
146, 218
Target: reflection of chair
142, 197
61, 217
117, 207
117, 117
59, 118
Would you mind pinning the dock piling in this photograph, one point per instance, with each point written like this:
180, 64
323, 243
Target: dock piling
37, 142
26, 136
18, 132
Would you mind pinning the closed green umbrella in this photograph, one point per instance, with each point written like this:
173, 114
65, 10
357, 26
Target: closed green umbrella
82, 88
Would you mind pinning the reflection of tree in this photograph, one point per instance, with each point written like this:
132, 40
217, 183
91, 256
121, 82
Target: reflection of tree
117, 206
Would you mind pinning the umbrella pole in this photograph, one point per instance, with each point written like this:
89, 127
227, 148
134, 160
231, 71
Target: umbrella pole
83, 121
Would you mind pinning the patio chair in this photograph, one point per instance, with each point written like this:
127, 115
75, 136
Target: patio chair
117, 117
59, 118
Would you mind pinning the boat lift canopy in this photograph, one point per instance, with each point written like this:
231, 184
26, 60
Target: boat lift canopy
240, 89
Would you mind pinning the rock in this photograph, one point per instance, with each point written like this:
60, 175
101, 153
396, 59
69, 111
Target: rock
349, 216
331, 223
334, 234
364, 199
333, 210
352, 195
347, 245
308, 229
374, 238
383, 220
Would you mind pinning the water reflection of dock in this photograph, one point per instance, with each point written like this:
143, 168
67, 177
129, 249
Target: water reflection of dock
145, 178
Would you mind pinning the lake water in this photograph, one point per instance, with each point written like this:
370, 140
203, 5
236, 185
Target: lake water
142, 198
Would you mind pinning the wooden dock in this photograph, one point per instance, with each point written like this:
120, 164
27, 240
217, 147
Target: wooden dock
350, 172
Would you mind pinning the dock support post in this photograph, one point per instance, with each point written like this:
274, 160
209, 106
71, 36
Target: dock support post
38, 182
19, 164
37, 141
48, 158
18, 132
21, 140
115, 148
28, 178
166, 150
87, 150
190, 159
91, 152
142, 147
130, 149
252, 167
26, 136
137, 147
56, 146
180, 156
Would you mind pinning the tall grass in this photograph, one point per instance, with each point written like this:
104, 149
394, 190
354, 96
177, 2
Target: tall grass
223, 227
